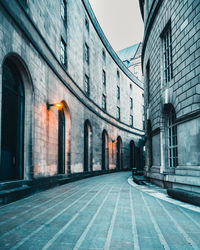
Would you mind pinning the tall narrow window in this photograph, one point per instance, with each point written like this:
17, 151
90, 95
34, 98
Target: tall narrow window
172, 139
118, 92
63, 9
104, 55
104, 102
148, 81
118, 75
131, 120
63, 52
118, 113
167, 50
131, 103
87, 86
86, 53
12, 123
104, 77
87, 24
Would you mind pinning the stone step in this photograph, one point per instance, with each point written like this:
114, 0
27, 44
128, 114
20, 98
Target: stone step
13, 194
11, 184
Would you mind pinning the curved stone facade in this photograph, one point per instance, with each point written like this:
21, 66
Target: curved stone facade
63, 57
171, 68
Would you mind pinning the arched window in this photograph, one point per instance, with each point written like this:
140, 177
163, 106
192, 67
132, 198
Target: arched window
12, 125
172, 139
105, 151
132, 154
87, 146
119, 153
61, 141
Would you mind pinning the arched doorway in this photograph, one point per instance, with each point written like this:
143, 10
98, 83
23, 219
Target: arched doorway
119, 153
87, 146
132, 154
105, 151
12, 123
61, 141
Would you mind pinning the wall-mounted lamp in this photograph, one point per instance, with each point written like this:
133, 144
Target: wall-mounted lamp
58, 105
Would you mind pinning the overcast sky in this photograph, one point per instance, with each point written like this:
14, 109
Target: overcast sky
120, 20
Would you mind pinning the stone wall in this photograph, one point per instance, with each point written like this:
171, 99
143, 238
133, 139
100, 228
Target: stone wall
31, 37
181, 92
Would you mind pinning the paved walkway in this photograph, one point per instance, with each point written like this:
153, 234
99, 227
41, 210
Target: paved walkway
103, 212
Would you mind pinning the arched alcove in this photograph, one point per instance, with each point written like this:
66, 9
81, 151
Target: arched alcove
132, 154
105, 150
16, 120
88, 146
119, 153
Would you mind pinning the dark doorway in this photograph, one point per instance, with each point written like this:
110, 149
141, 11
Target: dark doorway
105, 151
119, 153
87, 146
132, 154
61, 141
12, 123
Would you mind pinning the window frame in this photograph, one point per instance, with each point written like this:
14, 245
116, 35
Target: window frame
118, 113
63, 10
172, 142
87, 53
87, 85
118, 93
104, 77
166, 37
63, 52
104, 102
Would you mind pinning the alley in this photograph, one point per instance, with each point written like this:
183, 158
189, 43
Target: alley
103, 212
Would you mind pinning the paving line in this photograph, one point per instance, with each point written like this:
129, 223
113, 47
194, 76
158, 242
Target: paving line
36, 216
134, 228
50, 242
186, 236
110, 231
160, 235
163, 196
186, 214
82, 237
49, 221
37, 206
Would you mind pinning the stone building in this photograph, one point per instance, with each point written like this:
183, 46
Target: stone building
69, 105
171, 67
131, 57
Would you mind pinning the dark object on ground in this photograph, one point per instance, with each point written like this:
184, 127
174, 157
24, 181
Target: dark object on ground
184, 195
139, 179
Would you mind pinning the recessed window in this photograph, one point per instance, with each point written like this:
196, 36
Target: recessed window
167, 51
104, 77
172, 139
118, 92
87, 86
63, 9
131, 120
104, 55
131, 103
118, 113
87, 24
104, 102
131, 86
118, 75
63, 52
86, 53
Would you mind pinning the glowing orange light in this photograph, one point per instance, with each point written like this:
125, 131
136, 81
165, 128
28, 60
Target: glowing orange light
59, 105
